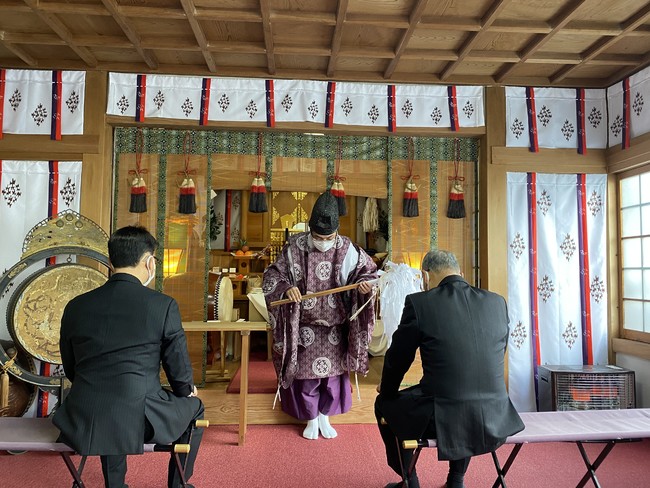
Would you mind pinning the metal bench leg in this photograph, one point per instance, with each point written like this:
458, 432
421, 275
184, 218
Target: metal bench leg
74, 471
401, 463
181, 469
591, 468
501, 472
171, 448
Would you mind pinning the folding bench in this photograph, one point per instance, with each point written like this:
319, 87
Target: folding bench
39, 434
605, 426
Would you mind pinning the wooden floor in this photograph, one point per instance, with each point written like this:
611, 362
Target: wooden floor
223, 408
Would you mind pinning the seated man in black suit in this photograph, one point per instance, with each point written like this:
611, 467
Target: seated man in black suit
461, 400
113, 340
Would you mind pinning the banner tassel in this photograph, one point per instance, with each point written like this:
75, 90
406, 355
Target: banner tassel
257, 199
456, 207
410, 205
187, 197
337, 189
410, 199
138, 195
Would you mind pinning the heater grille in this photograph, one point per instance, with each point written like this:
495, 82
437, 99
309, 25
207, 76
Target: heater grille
585, 388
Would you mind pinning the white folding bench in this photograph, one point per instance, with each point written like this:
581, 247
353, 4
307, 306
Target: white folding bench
39, 434
606, 426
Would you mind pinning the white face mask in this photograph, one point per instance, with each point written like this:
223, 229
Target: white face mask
149, 276
324, 246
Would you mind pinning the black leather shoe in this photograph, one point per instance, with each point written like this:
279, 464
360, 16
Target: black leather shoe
454, 481
414, 482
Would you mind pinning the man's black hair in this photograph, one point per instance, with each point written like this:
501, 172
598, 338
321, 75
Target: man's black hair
127, 246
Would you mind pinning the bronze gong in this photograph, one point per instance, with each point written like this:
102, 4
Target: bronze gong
35, 309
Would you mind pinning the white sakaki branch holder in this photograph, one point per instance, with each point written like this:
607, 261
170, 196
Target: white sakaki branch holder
396, 281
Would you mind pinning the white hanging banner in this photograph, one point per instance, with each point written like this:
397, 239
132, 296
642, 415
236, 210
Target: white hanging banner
596, 118
639, 100
122, 89
33, 97
173, 97
361, 104
259, 100
556, 117
557, 297
516, 117
559, 115
300, 101
470, 106
421, 106
237, 99
615, 117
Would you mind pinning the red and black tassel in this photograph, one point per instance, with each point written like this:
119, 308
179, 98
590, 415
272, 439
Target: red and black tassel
410, 205
138, 185
187, 197
456, 207
257, 200
337, 189
410, 199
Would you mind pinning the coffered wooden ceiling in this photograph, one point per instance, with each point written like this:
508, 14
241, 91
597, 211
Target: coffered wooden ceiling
586, 43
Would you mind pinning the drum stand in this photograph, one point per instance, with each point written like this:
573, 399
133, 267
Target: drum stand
222, 374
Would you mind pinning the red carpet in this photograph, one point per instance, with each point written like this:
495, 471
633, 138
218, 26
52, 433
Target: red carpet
261, 378
276, 455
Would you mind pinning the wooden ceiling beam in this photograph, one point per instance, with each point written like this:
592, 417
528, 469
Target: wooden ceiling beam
291, 16
18, 51
33, 38
265, 11
190, 10
15, 6
558, 22
133, 11
414, 20
170, 44
366, 52
377, 20
341, 14
634, 21
118, 42
431, 54
617, 60
292, 50
239, 47
450, 23
487, 20
74, 8
54, 23
624, 73
228, 15
131, 34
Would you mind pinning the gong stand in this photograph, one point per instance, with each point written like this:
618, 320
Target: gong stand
49, 289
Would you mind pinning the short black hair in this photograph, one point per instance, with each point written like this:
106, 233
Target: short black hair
127, 246
437, 261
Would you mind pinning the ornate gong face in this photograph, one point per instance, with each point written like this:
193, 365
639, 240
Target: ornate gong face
39, 307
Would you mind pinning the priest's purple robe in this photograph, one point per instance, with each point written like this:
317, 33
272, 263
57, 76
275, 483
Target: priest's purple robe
315, 338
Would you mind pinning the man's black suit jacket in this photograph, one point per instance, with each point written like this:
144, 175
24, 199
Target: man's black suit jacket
462, 332
113, 340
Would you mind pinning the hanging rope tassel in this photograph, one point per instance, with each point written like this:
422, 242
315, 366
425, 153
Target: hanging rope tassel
257, 200
456, 207
337, 186
187, 197
411, 200
410, 205
138, 185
